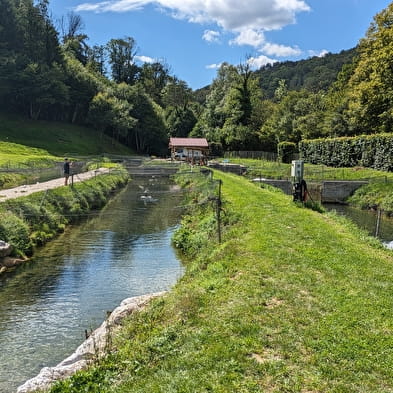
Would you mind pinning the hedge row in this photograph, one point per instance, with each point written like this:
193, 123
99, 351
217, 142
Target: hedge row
371, 151
32, 220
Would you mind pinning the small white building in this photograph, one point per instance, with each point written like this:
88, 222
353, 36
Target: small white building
193, 150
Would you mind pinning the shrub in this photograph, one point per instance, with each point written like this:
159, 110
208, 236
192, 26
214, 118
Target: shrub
372, 151
286, 151
15, 231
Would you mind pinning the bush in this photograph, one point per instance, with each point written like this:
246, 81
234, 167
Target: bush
15, 231
286, 151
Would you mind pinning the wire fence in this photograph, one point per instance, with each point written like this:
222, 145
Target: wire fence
14, 176
279, 171
261, 155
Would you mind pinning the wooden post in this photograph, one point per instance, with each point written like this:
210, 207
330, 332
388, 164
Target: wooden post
378, 225
219, 211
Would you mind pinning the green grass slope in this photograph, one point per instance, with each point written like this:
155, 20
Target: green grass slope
57, 138
291, 301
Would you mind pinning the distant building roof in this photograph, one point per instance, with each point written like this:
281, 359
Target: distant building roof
188, 142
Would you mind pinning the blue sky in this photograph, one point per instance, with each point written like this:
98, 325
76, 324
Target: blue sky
193, 37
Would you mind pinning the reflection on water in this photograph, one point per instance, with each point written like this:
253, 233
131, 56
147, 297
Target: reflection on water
122, 251
367, 220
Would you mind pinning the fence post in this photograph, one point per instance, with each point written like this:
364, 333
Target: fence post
378, 225
219, 211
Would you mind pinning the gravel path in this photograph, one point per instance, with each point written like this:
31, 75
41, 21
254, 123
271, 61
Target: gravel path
31, 188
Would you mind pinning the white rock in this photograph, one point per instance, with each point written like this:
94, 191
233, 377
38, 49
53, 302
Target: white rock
5, 249
92, 348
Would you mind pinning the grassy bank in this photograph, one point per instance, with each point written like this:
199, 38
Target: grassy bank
374, 196
378, 194
278, 170
57, 138
291, 301
15, 159
32, 220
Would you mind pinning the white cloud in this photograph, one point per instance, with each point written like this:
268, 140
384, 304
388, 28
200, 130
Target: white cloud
113, 5
321, 53
247, 21
211, 36
259, 15
249, 37
213, 66
145, 59
280, 50
260, 61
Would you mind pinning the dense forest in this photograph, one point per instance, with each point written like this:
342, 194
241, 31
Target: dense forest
48, 71
314, 74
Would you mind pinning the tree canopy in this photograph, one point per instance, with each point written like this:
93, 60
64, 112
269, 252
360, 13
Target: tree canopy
46, 74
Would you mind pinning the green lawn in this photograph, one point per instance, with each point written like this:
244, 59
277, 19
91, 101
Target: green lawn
27, 144
277, 170
291, 301
57, 138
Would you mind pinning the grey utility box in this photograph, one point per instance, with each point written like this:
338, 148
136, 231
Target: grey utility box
297, 169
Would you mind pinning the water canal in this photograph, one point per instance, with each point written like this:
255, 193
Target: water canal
367, 220
122, 251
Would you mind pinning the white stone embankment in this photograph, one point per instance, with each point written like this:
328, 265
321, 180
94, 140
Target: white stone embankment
94, 346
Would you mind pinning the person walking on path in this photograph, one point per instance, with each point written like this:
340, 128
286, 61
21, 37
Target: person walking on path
67, 169
28, 189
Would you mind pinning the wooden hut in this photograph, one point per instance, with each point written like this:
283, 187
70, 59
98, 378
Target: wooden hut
193, 150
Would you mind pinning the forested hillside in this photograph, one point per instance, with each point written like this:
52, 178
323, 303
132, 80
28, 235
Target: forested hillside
53, 74
314, 74
304, 100
47, 74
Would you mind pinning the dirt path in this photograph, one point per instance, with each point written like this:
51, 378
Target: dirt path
31, 188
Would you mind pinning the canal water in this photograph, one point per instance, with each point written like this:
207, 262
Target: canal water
367, 220
122, 251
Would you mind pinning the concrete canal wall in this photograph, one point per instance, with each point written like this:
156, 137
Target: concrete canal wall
338, 191
332, 191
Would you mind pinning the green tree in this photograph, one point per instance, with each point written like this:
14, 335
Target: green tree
154, 77
83, 85
371, 85
74, 41
180, 121
242, 109
10, 46
212, 119
121, 53
102, 112
298, 115
150, 133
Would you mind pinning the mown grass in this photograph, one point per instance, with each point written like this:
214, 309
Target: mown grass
27, 145
58, 139
290, 301
15, 159
13, 155
278, 170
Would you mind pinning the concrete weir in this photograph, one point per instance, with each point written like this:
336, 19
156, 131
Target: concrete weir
334, 191
329, 191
